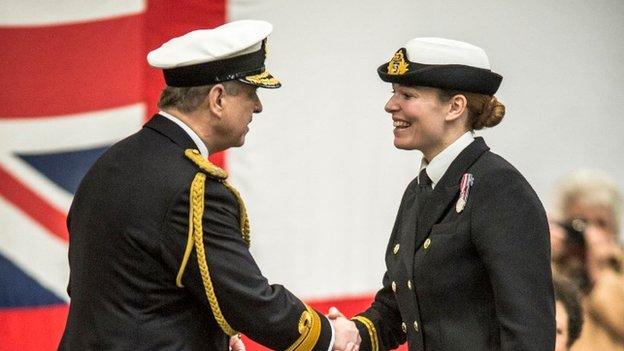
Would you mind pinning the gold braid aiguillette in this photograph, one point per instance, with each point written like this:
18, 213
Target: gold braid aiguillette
196, 233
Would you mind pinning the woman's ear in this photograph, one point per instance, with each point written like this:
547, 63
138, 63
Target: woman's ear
458, 105
215, 100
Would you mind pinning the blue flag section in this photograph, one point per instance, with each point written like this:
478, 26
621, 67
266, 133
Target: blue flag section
18, 289
65, 169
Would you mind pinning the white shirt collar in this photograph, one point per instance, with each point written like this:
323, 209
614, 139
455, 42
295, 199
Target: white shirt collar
439, 164
200, 144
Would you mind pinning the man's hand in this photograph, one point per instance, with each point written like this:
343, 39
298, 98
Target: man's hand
347, 336
236, 344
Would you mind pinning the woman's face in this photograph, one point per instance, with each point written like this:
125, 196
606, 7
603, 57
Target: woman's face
601, 217
418, 117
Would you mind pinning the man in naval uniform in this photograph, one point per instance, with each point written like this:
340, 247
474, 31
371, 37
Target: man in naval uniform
159, 241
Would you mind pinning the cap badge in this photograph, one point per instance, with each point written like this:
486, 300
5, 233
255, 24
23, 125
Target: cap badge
398, 65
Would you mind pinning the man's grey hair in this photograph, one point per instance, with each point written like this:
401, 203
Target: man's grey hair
189, 99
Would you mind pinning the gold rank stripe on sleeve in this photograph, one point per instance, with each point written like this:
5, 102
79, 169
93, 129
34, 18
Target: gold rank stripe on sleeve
310, 330
372, 332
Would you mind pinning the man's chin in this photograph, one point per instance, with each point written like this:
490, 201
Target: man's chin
241, 142
399, 144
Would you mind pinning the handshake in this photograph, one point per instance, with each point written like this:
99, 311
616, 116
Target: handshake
346, 334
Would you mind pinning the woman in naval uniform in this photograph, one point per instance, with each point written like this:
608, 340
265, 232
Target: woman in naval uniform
468, 261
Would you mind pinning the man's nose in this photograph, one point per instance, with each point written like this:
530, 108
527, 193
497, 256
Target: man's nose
258, 106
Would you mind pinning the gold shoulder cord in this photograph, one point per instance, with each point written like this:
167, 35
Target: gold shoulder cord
372, 332
195, 232
310, 330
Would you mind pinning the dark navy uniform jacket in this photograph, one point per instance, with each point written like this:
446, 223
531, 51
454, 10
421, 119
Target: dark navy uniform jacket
128, 228
479, 279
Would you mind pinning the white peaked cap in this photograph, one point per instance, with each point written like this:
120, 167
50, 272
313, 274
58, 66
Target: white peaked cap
440, 51
206, 45
233, 51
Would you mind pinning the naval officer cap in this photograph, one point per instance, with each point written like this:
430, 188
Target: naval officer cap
441, 63
233, 51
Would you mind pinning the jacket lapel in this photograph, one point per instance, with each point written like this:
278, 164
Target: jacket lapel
171, 130
446, 190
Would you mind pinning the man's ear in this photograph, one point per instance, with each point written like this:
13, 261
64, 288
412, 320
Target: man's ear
215, 101
458, 104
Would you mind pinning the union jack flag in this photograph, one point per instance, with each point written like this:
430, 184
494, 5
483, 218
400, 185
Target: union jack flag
74, 81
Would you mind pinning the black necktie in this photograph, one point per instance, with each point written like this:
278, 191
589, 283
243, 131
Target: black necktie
424, 181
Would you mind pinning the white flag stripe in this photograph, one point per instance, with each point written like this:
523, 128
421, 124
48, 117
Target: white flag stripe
58, 12
48, 190
84, 130
41, 255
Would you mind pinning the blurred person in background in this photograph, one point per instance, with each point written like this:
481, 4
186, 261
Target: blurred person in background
586, 249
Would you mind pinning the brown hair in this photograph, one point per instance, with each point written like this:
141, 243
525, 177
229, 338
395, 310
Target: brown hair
569, 295
189, 99
483, 110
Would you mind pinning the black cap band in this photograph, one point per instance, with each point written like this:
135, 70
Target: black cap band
216, 71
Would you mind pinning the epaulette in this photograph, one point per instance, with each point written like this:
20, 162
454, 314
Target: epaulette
205, 165
196, 233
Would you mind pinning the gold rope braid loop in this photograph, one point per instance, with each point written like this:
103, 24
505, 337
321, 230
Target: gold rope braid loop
310, 330
220, 175
244, 218
190, 241
197, 210
372, 332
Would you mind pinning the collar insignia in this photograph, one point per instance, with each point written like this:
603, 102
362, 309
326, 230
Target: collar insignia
398, 65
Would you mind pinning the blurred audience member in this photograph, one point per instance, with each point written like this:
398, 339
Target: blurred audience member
569, 314
585, 249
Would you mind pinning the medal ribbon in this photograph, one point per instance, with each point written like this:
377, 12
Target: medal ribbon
465, 185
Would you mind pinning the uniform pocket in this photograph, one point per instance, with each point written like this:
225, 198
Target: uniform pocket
444, 228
